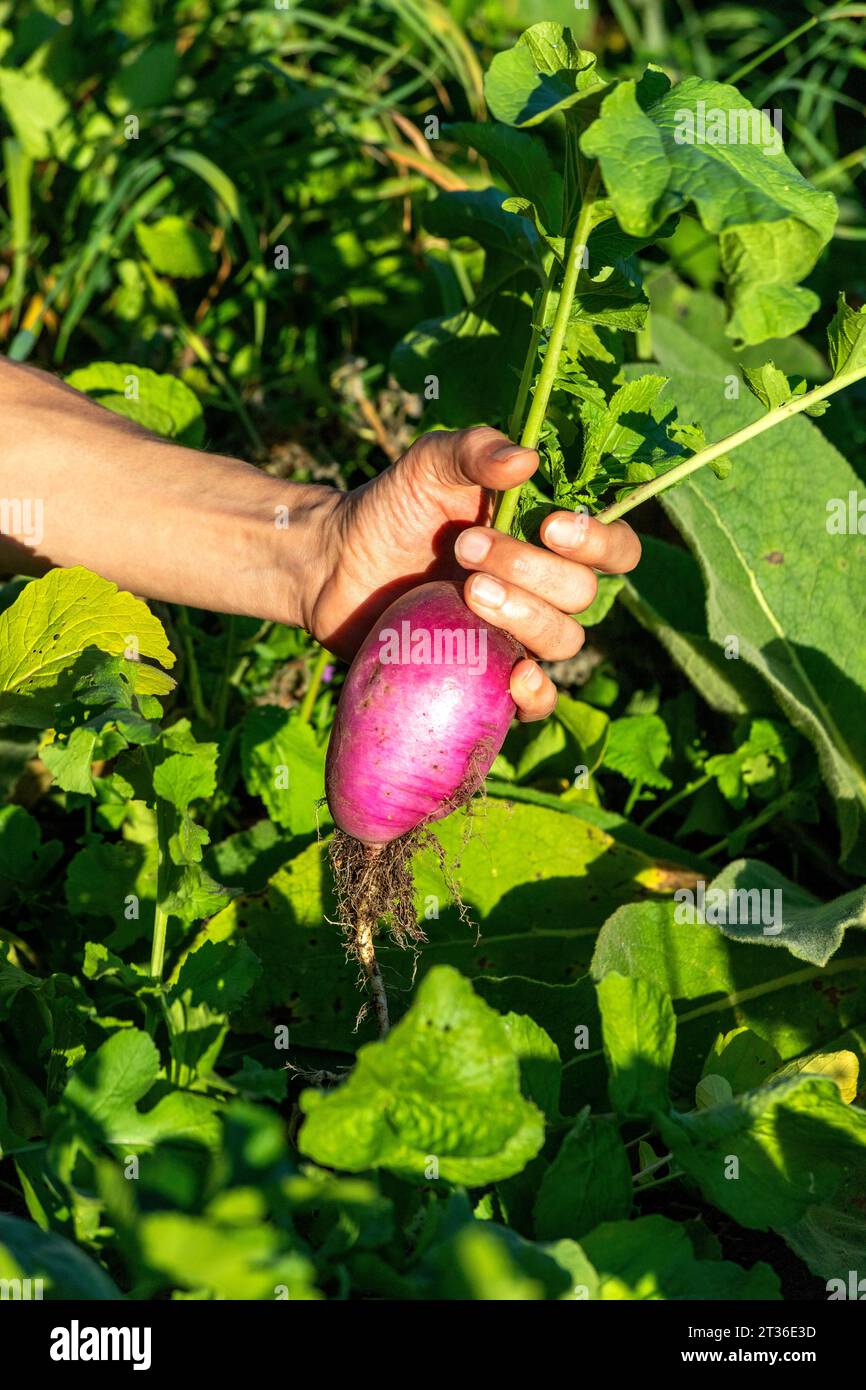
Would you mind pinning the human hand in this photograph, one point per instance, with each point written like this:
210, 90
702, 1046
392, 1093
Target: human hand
426, 518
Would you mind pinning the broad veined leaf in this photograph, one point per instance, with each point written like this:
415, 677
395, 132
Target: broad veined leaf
841, 1067
666, 595
520, 159
718, 984
444, 1085
743, 1058
464, 365
639, 1033
766, 1156
637, 747
778, 581
771, 223
103, 1092
544, 72
479, 214
56, 631
764, 907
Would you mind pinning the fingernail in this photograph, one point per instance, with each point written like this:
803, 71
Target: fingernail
488, 591
567, 530
533, 678
472, 546
508, 451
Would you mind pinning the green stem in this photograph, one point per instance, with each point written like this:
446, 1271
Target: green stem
222, 700
775, 808
671, 801
195, 689
507, 502
539, 321
724, 446
312, 690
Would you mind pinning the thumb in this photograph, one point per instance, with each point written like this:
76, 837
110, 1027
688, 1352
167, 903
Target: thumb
480, 457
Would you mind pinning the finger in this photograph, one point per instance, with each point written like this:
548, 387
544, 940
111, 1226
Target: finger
612, 548
481, 457
532, 691
568, 586
546, 632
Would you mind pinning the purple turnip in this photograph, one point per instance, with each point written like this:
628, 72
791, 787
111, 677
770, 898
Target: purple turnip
423, 713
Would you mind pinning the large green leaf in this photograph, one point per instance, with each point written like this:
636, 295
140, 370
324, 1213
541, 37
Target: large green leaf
544, 72
444, 1085
521, 160
718, 984
666, 595
54, 634
767, 1155
283, 762
771, 223
479, 214
653, 1258
589, 1181
776, 579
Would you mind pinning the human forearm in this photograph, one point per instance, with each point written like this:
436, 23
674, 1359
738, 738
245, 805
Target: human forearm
164, 521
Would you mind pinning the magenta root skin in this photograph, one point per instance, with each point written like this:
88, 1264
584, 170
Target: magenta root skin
424, 712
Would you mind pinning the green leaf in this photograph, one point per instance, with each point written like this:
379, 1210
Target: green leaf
231, 1260
219, 975
767, 1155
185, 777
589, 1181
544, 72
154, 400
639, 1032
283, 762
175, 247
479, 214
653, 1258
461, 360
102, 1094
24, 859
444, 1085
64, 1270
521, 160
771, 223
743, 1058
69, 761
846, 338
718, 984
666, 595
777, 578
540, 1065
36, 111
56, 631
117, 881
590, 727
637, 746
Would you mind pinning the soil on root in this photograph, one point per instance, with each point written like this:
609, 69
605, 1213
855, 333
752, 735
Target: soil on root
374, 884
